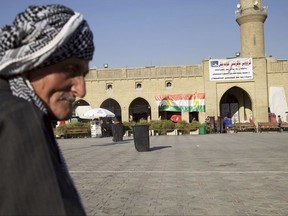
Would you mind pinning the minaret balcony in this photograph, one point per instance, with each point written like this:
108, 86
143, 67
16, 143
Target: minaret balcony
251, 15
251, 10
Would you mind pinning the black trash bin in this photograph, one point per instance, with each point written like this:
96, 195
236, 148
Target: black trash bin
212, 124
117, 132
220, 124
141, 137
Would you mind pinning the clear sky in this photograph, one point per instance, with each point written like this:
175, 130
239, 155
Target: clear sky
139, 33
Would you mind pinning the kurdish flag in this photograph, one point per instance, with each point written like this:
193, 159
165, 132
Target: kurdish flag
181, 102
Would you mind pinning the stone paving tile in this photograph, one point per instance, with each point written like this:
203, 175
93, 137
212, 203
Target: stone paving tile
213, 174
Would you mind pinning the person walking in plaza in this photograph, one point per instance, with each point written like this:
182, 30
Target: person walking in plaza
44, 57
279, 121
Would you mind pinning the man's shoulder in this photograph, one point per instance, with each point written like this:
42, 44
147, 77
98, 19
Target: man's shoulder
15, 107
8, 101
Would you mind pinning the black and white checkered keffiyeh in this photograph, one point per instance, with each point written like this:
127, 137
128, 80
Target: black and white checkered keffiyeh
38, 37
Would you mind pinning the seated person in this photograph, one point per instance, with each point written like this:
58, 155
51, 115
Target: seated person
227, 122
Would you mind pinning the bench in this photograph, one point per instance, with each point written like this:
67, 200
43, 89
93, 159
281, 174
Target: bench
244, 127
71, 132
284, 126
76, 132
268, 126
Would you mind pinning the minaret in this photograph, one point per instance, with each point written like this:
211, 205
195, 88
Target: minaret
251, 16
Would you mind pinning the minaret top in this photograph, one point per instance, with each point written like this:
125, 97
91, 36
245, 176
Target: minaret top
250, 7
250, 16
250, 3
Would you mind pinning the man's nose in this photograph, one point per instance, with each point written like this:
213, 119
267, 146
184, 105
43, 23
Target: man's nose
79, 86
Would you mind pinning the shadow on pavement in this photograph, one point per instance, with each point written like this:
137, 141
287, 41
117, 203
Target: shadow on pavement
114, 143
159, 147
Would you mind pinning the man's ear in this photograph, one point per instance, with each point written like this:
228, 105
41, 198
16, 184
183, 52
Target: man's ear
36, 80
34, 75
31, 75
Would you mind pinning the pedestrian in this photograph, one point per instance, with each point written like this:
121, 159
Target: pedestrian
227, 121
279, 121
117, 130
44, 56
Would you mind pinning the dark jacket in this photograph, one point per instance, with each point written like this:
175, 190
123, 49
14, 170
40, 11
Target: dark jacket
33, 180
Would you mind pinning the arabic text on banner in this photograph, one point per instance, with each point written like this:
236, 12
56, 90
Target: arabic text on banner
231, 69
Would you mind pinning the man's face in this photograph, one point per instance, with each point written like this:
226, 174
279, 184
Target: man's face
59, 84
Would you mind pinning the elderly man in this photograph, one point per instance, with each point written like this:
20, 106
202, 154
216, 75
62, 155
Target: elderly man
44, 58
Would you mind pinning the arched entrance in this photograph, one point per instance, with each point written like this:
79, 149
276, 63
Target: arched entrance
79, 108
139, 109
113, 106
237, 104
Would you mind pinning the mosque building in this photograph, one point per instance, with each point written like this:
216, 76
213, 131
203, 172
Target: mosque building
248, 87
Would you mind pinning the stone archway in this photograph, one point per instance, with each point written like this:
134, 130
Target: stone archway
79, 108
81, 102
113, 106
237, 103
139, 109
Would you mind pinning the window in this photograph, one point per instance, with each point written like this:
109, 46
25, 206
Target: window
109, 86
168, 84
138, 85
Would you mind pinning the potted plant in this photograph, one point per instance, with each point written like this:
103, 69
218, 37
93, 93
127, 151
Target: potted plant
128, 127
183, 127
155, 127
167, 126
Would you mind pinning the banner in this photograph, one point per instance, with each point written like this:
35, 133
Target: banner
181, 102
277, 101
231, 69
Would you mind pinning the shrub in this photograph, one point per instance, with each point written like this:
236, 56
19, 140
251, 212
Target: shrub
194, 125
167, 125
162, 126
183, 126
142, 122
127, 125
155, 125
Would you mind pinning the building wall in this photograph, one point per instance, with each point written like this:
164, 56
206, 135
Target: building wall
278, 73
185, 79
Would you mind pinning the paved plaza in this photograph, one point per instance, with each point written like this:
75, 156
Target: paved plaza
213, 174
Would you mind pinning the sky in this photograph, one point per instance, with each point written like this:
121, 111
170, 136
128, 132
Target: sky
140, 33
